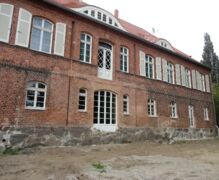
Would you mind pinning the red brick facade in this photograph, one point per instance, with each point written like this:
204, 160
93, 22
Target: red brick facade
64, 76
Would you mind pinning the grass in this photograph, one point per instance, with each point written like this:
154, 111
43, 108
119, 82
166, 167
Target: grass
99, 167
10, 151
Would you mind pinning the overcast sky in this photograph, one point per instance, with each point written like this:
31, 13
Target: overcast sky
182, 22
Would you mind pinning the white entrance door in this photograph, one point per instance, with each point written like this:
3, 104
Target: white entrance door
105, 111
105, 61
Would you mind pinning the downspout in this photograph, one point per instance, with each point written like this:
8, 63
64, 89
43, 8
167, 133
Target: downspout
69, 74
136, 120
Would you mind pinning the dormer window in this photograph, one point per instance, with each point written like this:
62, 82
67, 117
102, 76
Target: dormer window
100, 15
93, 13
164, 43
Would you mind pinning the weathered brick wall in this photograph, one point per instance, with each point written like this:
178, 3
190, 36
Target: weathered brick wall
66, 75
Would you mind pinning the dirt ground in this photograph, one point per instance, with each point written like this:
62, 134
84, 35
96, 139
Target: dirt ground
139, 161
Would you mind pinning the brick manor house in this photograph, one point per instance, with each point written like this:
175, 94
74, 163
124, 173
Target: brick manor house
65, 63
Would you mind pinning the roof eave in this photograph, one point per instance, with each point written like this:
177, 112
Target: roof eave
51, 2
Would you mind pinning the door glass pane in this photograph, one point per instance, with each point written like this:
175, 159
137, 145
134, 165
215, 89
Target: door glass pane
100, 58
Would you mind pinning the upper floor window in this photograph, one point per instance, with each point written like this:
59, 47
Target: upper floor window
188, 78
203, 82
85, 48
152, 108
41, 37
6, 13
170, 73
149, 66
82, 102
206, 116
126, 104
36, 95
173, 110
124, 59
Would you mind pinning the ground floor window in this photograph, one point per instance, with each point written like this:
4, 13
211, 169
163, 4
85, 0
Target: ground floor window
151, 107
104, 107
206, 117
36, 95
173, 110
82, 102
126, 104
191, 116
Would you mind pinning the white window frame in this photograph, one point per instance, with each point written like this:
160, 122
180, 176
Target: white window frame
203, 82
191, 116
170, 73
41, 35
152, 104
206, 114
85, 97
124, 55
188, 82
36, 90
126, 102
85, 47
149, 61
173, 110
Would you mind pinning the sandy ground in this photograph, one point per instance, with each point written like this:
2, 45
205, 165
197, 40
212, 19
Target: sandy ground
139, 161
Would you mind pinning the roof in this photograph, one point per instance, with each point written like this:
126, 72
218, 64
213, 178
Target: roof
132, 29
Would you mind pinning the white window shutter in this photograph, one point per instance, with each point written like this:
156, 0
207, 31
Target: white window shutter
6, 14
23, 28
164, 64
178, 81
59, 48
207, 83
142, 63
194, 82
198, 79
158, 68
183, 75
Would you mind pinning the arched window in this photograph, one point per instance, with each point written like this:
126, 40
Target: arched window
41, 37
36, 95
82, 101
85, 48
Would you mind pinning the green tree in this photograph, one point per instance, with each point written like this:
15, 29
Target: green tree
210, 58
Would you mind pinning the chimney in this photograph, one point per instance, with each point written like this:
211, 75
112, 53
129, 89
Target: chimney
116, 13
65, 2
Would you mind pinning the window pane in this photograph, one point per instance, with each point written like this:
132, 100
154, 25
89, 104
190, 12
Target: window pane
40, 104
46, 41
48, 25
35, 39
37, 22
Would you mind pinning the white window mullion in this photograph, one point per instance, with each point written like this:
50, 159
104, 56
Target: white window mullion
98, 114
105, 94
111, 106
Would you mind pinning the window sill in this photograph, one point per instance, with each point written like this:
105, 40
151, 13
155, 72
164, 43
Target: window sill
174, 118
82, 111
35, 109
154, 116
126, 114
